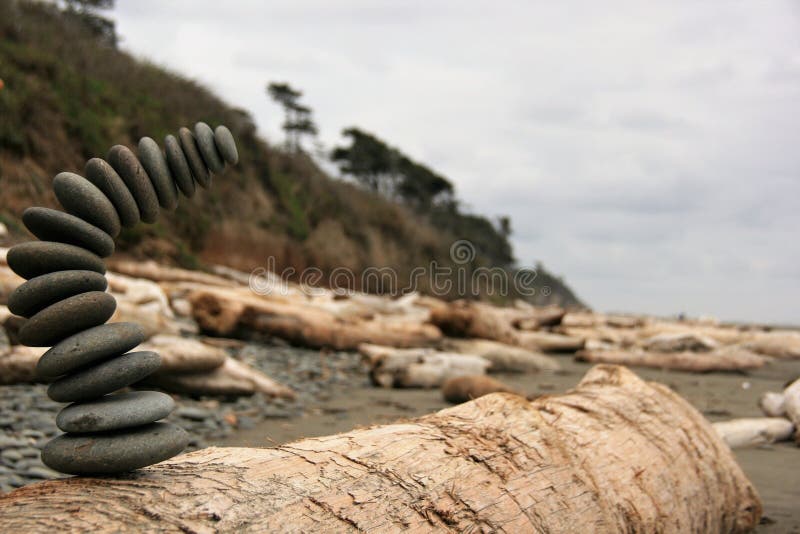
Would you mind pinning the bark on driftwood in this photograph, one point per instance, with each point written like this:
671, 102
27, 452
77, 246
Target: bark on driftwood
725, 359
616, 454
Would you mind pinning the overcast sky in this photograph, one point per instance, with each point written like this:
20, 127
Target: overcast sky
648, 153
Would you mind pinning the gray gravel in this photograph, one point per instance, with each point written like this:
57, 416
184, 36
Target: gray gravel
27, 415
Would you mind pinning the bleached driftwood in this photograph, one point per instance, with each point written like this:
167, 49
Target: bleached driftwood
617, 337
150, 317
725, 359
466, 388
724, 335
772, 404
785, 345
586, 461
184, 355
549, 342
680, 342
504, 357
471, 319
231, 378
8, 283
223, 311
18, 364
151, 270
754, 431
791, 402
423, 368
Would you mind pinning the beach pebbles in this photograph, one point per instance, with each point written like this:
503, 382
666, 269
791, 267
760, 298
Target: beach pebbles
66, 306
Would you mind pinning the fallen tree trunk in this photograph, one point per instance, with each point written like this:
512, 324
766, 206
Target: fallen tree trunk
680, 342
466, 388
549, 342
161, 273
465, 318
418, 368
785, 345
18, 365
224, 312
184, 355
726, 359
504, 357
498, 463
791, 402
754, 431
231, 378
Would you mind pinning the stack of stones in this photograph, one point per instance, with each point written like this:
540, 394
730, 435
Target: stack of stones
66, 306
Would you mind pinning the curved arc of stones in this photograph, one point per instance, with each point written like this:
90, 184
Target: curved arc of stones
66, 306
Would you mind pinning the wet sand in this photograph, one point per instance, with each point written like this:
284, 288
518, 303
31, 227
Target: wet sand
775, 470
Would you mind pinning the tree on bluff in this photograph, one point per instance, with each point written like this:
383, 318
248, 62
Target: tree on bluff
385, 170
87, 12
298, 121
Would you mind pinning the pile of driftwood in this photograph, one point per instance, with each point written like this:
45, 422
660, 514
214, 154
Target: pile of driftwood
412, 341
782, 421
188, 364
616, 454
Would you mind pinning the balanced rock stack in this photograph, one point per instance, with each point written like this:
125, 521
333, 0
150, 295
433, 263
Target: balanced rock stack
65, 303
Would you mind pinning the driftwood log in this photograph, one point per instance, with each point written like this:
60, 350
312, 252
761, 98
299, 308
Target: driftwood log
465, 318
226, 311
504, 358
18, 364
725, 359
231, 378
616, 454
785, 345
549, 342
418, 368
754, 431
466, 388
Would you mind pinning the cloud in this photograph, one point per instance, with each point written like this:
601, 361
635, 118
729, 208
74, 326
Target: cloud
647, 153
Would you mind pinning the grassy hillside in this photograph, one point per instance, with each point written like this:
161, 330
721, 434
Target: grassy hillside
69, 96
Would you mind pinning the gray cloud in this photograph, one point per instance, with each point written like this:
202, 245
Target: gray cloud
647, 153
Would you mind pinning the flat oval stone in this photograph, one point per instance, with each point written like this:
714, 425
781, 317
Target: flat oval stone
179, 166
103, 175
114, 452
36, 258
106, 377
192, 154
226, 145
155, 164
113, 412
67, 317
138, 182
54, 225
40, 292
90, 346
83, 199
204, 136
